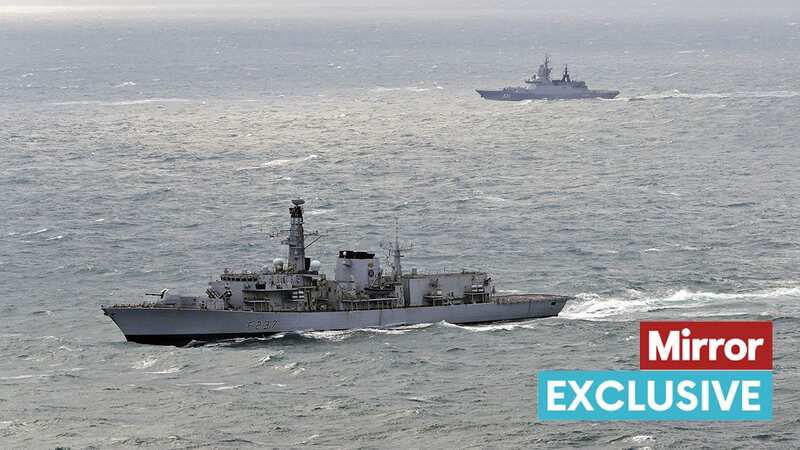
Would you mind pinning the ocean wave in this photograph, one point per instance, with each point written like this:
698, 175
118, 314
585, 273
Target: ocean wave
168, 371
39, 231
633, 304
144, 364
227, 388
497, 326
407, 89
144, 101
269, 357
341, 335
278, 163
331, 336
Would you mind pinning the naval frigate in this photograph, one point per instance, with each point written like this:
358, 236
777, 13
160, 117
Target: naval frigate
541, 87
294, 295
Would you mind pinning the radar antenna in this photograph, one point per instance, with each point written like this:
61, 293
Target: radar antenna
395, 250
295, 237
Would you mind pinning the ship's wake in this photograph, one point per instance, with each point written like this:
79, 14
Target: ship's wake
676, 94
684, 303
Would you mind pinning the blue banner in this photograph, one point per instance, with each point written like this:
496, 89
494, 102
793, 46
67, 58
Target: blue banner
655, 395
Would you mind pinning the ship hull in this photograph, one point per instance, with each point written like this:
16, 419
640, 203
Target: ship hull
175, 326
529, 94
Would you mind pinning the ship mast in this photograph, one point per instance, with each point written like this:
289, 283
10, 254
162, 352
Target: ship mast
296, 238
396, 250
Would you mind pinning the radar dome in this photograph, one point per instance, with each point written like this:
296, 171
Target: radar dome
314, 266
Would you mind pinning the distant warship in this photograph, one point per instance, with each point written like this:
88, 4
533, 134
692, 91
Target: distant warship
540, 86
294, 295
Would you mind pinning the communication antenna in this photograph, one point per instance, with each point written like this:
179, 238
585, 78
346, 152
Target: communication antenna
394, 250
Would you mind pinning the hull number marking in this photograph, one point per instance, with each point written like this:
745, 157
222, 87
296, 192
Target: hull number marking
262, 324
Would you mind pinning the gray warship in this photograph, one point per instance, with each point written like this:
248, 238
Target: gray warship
294, 295
541, 87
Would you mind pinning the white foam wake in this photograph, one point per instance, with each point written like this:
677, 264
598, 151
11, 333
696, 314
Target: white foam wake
714, 95
340, 335
634, 304
501, 326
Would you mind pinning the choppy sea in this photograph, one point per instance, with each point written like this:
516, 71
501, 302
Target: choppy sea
137, 155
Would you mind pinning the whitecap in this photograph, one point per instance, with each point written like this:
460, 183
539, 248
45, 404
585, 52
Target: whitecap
269, 357
384, 89
492, 198
227, 388
278, 163
144, 101
309, 439
17, 377
145, 364
166, 371
319, 212
332, 336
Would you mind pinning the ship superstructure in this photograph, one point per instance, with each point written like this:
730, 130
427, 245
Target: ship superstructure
541, 86
293, 294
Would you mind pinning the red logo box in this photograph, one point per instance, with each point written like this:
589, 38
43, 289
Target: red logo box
705, 345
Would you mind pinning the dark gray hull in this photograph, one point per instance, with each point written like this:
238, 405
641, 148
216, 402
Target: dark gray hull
175, 326
529, 94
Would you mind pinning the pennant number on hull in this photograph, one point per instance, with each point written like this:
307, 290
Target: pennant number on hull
262, 324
